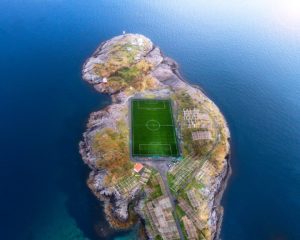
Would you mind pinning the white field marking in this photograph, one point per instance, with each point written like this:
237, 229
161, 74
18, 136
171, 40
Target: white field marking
150, 108
164, 125
152, 121
159, 144
149, 101
152, 155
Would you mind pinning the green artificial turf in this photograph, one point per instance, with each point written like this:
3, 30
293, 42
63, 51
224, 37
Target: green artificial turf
153, 129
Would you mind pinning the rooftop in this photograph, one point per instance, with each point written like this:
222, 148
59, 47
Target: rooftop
138, 167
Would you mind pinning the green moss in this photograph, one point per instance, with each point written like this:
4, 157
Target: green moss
170, 178
183, 230
128, 74
179, 212
157, 193
155, 187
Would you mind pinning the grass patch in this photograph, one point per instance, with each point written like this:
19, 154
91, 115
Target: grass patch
157, 193
170, 178
179, 212
155, 187
132, 75
194, 184
153, 129
183, 230
129, 74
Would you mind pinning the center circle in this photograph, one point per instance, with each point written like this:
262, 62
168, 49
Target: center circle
152, 125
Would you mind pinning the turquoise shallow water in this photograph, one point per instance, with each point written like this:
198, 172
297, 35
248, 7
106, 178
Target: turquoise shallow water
245, 55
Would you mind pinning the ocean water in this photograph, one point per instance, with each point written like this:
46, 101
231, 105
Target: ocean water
244, 54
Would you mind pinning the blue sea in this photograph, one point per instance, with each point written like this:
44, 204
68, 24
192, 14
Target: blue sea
244, 54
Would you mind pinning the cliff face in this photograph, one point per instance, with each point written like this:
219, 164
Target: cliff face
134, 67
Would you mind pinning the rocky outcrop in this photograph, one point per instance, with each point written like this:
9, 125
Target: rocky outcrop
167, 81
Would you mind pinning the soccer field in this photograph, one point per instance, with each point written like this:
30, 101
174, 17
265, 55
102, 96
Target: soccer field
152, 129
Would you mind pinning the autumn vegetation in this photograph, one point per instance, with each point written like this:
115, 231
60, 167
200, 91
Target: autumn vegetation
126, 68
113, 150
134, 76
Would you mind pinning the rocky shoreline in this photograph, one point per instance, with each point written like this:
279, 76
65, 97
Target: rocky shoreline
167, 80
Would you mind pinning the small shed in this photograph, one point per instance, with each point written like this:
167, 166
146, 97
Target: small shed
138, 167
104, 80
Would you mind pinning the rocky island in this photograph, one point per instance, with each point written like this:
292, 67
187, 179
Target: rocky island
174, 197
